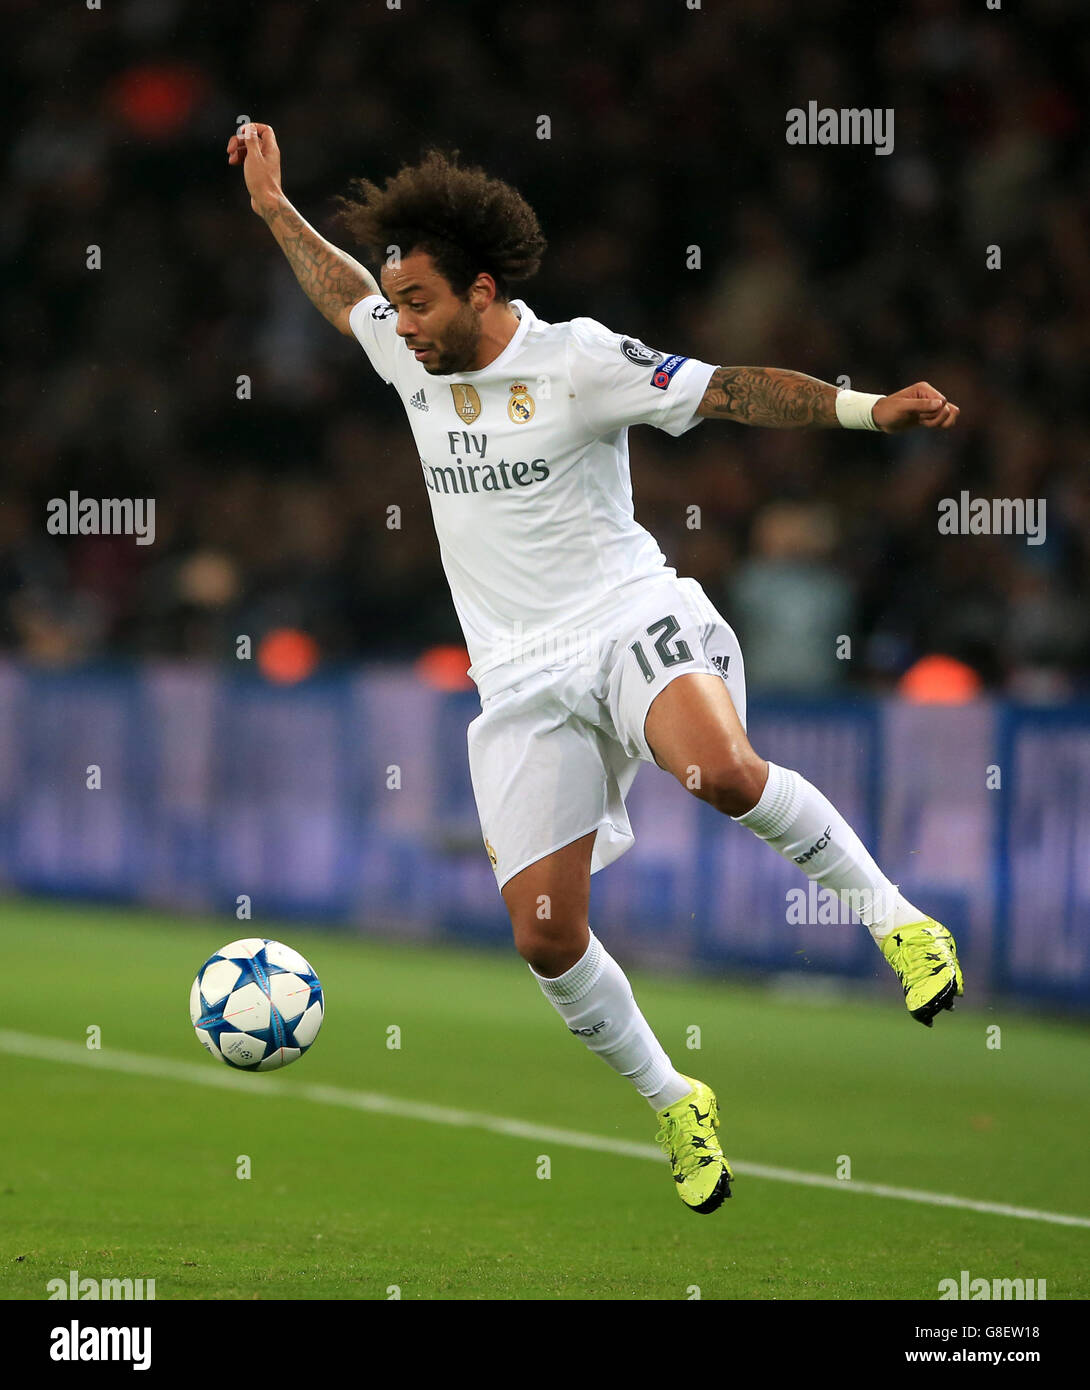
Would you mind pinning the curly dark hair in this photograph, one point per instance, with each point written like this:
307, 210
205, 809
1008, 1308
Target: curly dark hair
465, 219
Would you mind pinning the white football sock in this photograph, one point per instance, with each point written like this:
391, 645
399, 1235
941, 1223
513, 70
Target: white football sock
596, 1001
903, 915
804, 826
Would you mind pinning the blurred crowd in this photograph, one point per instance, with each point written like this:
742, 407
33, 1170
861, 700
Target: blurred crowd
675, 212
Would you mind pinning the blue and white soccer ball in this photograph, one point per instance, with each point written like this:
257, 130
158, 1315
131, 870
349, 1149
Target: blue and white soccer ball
256, 1004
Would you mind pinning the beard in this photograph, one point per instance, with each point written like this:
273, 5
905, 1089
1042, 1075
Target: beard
462, 335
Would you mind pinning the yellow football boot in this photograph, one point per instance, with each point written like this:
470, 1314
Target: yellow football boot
925, 958
687, 1137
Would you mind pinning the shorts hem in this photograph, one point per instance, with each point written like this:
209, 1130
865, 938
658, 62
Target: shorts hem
568, 840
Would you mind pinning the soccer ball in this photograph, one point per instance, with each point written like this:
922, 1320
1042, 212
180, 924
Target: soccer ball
256, 1004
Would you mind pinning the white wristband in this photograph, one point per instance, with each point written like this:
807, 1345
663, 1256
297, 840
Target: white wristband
853, 410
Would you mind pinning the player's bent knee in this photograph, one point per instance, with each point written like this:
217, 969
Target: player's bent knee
732, 782
551, 950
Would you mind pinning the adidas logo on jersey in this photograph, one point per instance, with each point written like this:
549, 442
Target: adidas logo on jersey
418, 400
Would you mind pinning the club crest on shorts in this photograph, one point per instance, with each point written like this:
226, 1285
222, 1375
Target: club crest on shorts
466, 400
521, 405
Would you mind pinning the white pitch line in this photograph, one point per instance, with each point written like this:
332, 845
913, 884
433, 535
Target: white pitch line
163, 1069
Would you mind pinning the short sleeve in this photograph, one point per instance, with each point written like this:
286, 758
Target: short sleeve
373, 321
618, 381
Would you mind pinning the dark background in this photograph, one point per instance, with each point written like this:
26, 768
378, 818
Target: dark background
668, 131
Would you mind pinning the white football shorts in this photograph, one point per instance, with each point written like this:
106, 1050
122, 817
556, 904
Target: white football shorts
553, 754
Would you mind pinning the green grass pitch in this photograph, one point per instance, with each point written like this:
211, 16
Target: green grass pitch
117, 1174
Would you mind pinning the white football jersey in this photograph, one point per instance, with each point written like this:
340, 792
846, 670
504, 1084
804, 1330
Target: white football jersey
526, 465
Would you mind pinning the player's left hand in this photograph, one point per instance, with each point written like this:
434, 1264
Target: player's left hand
915, 405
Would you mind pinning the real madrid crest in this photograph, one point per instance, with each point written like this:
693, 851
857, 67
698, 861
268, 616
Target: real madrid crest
521, 405
466, 401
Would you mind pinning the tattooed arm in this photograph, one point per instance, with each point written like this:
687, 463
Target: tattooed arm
332, 280
771, 397
783, 400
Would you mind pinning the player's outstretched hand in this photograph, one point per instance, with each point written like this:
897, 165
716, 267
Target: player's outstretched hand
255, 148
915, 405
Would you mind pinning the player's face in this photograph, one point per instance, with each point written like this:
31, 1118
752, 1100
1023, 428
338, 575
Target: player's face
442, 330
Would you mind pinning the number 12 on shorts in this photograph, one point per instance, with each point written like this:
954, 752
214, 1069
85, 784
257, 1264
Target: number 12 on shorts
666, 628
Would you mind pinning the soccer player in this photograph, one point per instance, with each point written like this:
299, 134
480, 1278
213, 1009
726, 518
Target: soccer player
590, 655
